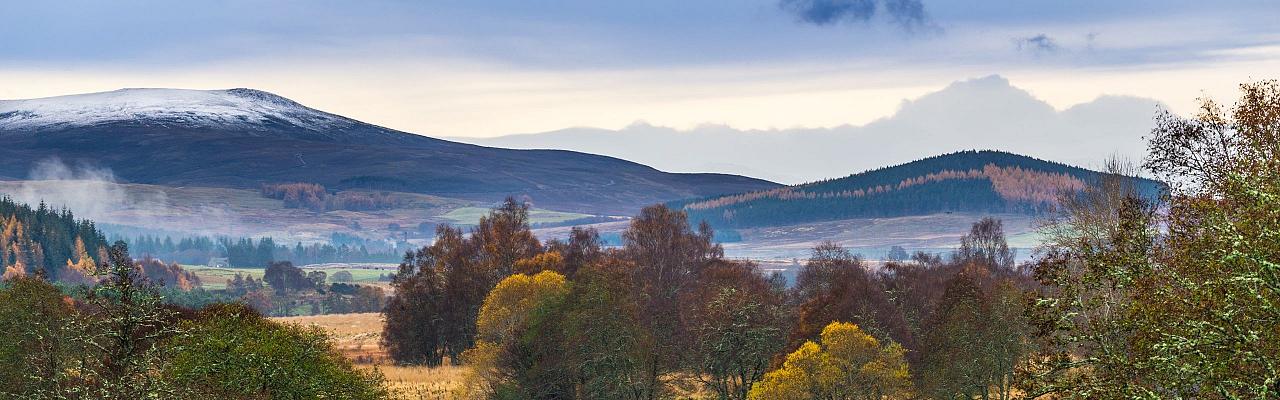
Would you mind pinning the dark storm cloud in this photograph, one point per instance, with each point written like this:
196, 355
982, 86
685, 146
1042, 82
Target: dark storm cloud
1038, 44
909, 14
827, 12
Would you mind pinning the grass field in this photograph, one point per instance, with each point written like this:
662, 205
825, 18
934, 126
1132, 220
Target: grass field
356, 336
471, 215
216, 278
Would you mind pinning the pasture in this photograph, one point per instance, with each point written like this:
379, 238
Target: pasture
356, 337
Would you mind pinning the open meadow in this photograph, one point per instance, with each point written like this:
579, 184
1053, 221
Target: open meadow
357, 335
214, 278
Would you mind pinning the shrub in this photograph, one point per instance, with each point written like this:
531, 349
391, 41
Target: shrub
231, 351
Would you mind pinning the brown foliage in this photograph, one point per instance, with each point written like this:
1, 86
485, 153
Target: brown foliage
314, 197
439, 288
837, 286
169, 275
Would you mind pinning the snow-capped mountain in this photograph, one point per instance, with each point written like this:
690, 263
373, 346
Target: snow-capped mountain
243, 138
244, 111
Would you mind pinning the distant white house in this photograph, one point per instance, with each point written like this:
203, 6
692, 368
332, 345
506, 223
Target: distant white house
219, 262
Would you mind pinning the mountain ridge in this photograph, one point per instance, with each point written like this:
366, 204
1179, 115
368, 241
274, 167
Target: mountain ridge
244, 138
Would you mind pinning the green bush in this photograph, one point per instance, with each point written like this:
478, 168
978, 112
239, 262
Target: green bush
231, 351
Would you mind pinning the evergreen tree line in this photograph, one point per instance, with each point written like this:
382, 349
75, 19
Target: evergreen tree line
829, 200
46, 242
248, 252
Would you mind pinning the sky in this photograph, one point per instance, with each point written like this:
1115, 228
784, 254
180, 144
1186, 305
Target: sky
490, 68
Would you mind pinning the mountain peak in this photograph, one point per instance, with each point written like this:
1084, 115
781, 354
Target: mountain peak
238, 109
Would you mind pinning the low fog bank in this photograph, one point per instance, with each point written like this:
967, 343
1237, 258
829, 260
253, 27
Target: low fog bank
94, 193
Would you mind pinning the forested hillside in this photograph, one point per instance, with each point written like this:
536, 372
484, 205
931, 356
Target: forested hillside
47, 242
968, 181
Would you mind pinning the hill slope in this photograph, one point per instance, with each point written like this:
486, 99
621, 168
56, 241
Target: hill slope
242, 138
968, 181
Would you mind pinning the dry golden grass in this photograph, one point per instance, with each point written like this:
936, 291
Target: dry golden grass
356, 336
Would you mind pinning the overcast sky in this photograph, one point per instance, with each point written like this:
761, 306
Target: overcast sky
477, 68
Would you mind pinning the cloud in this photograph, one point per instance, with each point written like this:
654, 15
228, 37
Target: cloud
984, 113
87, 191
828, 12
1038, 44
908, 14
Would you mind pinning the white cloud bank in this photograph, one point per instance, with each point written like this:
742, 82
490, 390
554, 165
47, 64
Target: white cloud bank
985, 113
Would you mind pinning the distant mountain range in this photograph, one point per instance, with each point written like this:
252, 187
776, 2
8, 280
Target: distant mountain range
968, 181
980, 113
243, 138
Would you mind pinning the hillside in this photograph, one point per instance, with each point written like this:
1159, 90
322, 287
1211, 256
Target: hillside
968, 181
242, 138
48, 242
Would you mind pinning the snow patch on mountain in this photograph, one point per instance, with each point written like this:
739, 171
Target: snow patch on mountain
240, 109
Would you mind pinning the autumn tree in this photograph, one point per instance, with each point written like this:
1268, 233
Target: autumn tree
668, 256
503, 237
284, 277
502, 361
582, 248
1218, 306
914, 288
834, 285
985, 244
549, 261
414, 330
440, 289
737, 319
1176, 299
80, 268
975, 339
847, 364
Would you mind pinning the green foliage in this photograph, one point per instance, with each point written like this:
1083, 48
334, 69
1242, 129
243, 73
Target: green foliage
977, 337
230, 351
127, 318
736, 321
41, 341
513, 350
609, 348
1182, 303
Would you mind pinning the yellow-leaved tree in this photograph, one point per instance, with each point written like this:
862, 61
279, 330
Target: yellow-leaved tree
81, 268
848, 364
505, 311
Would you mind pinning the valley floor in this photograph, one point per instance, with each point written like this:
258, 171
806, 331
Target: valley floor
357, 335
